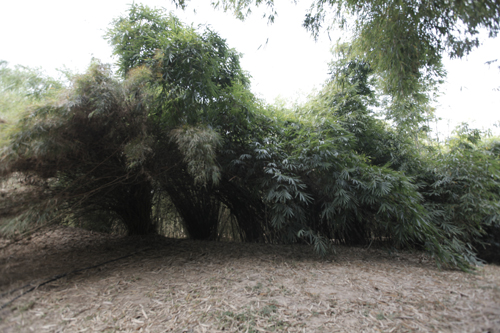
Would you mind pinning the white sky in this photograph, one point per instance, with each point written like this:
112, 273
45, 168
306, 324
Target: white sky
55, 33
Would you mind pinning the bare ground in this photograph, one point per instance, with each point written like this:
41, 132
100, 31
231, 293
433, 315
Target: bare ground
191, 286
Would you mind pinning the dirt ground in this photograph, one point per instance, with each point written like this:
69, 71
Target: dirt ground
168, 285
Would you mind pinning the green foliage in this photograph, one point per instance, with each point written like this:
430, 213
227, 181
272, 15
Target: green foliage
199, 145
27, 82
201, 105
462, 189
402, 36
316, 178
75, 145
180, 139
194, 72
19, 87
403, 41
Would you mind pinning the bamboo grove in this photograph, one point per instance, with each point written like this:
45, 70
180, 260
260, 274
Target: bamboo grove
177, 139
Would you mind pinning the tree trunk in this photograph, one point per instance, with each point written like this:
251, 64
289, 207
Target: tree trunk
197, 206
136, 209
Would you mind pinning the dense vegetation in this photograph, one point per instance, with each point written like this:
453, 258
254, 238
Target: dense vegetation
178, 136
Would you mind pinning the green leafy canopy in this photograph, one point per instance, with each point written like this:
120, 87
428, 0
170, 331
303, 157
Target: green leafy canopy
178, 136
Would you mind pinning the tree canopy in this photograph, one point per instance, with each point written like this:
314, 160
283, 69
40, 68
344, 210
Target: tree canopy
402, 40
178, 135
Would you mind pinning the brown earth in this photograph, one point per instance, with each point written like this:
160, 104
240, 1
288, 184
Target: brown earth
170, 285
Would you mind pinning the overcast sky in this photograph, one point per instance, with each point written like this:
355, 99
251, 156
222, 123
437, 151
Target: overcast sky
54, 33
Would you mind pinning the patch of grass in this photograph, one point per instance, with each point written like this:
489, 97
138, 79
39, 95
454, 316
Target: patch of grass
258, 287
279, 326
268, 310
246, 320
